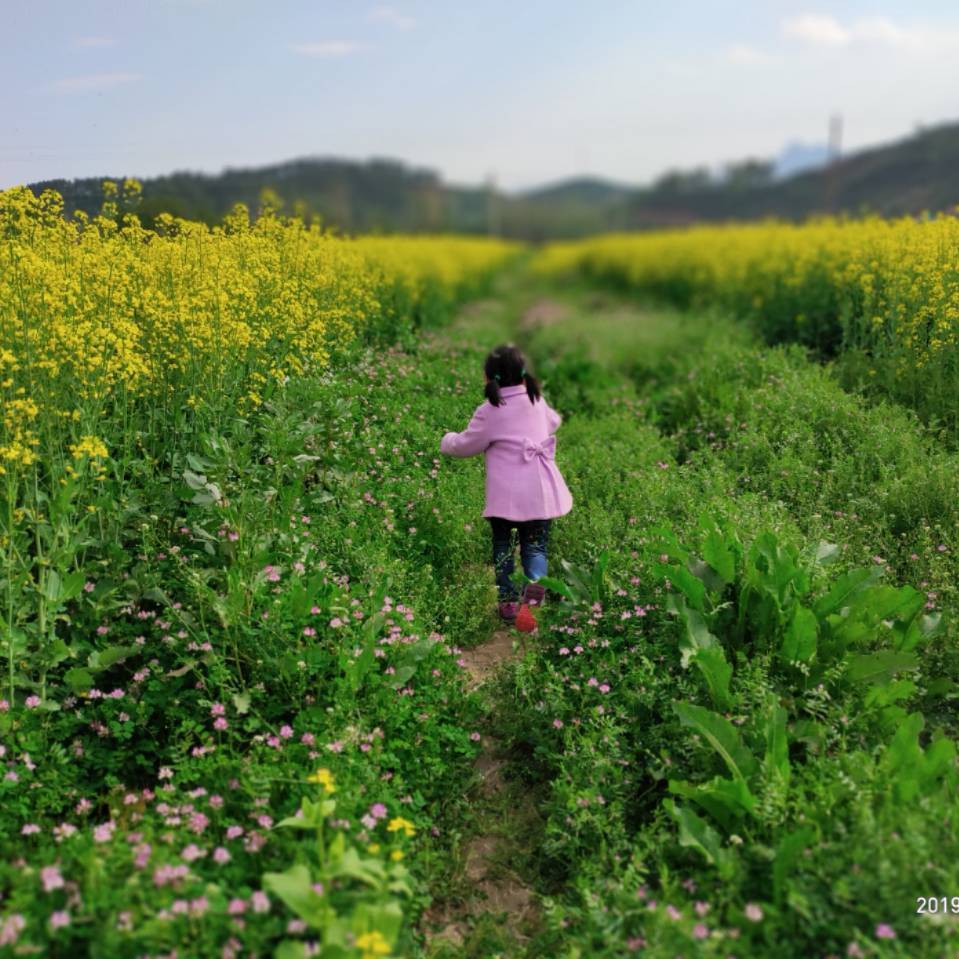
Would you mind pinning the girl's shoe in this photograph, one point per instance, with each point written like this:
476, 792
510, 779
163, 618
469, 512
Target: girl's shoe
508, 611
525, 620
534, 594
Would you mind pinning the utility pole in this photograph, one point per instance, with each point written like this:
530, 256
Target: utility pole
833, 170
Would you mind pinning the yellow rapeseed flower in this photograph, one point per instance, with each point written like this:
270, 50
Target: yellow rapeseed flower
373, 944
90, 447
103, 320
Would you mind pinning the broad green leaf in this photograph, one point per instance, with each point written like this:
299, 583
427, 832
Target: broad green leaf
295, 888
904, 758
879, 668
197, 462
577, 581
810, 732
845, 588
941, 686
110, 656
72, 585
598, 577
799, 641
884, 695
889, 602
696, 634
557, 586
295, 822
78, 679
58, 652
826, 553
663, 542
726, 800
683, 580
939, 762
922, 627
711, 662
777, 743
51, 586
156, 595
788, 852
720, 556
774, 568
697, 834
402, 676
720, 733
713, 582
290, 949
366, 870
386, 917
196, 481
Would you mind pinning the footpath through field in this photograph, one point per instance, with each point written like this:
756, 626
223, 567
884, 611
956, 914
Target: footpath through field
668, 417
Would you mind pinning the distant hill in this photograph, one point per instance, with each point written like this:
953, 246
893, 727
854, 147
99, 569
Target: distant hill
589, 190
917, 173
378, 194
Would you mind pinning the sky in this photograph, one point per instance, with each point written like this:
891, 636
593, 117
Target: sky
524, 91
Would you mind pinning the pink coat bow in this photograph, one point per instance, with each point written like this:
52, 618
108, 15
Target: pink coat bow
546, 449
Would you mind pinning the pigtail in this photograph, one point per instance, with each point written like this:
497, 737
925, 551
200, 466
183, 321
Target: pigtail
532, 386
492, 391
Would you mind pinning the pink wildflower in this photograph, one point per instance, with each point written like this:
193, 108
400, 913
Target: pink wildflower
51, 878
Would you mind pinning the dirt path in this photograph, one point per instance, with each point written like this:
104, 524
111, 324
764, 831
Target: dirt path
543, 312
493, 889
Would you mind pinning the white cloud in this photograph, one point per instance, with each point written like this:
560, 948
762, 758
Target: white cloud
391, 16
744, 55
95, 82
821, 31
326, 48
93, 41
826, 31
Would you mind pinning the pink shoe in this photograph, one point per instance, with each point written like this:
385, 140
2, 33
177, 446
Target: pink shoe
508, 611
534, 594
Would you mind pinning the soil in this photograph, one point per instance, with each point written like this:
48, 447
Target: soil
495, 888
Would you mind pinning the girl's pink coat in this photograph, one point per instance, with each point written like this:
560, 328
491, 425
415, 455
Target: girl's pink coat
522, 479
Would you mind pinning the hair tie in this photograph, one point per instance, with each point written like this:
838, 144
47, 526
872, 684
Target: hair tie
496, 377
523, 373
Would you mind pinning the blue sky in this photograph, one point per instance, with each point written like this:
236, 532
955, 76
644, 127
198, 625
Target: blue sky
528, 90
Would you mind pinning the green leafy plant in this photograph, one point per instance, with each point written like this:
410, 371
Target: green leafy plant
349, 898
582, 585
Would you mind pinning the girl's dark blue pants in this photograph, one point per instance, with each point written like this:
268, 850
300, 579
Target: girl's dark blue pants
533, 535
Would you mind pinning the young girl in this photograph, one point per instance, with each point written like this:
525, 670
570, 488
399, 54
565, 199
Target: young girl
524, 488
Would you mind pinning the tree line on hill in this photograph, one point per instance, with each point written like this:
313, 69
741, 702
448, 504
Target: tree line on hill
917, 174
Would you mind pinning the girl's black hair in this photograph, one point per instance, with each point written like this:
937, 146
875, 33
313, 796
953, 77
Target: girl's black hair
506, 366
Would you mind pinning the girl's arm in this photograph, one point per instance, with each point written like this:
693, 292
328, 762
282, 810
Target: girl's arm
471, 441
553, 419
